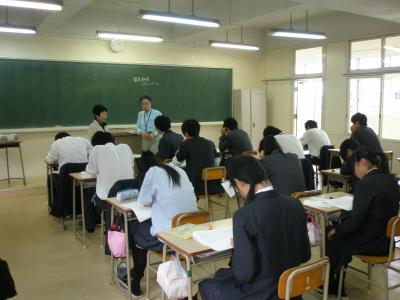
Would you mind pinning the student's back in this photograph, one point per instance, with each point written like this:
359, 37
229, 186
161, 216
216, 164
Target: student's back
169, 144
235, 142
284, 171
367, 137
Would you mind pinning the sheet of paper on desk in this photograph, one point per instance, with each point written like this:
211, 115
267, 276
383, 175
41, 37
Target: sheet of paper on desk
142, 213
228, 188
317, 202
85, 174
216, 239
345, 202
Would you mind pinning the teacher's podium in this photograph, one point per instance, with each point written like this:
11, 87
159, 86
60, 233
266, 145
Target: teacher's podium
131, 139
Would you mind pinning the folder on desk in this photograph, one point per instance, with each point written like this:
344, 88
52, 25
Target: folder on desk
216, 239
142, 213
186, 231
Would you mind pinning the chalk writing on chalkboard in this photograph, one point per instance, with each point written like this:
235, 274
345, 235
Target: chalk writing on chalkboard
145, 81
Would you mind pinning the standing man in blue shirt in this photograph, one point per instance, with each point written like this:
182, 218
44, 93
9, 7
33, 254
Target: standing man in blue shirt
145, 125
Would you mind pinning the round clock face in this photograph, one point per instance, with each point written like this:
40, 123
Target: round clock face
117, 45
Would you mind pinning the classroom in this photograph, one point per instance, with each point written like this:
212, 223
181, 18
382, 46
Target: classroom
247, 70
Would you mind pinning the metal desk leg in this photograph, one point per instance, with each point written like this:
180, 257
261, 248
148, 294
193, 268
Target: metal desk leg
111, 255
324, 221
22, 164
73, 208
189, 274
83, 216
8, 167
128, 261
164, 259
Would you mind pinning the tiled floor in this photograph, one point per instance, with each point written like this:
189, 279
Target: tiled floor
48, 263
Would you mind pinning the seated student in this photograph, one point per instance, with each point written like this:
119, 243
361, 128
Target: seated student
170, 141
315, 139
167, 189
67, 149
347, 148
269, 237
233, 140
100, 113
269, 130
199, 153
283, 170
108, 163
364, 134
376, 200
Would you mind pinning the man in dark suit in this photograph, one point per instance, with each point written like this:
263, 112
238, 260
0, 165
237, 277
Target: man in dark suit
170, 141
363, 134
233, 140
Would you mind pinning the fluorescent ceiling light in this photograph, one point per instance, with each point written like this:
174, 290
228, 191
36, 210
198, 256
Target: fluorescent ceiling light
230, 45
128, 37
297, 34
387, 47
8, 28
179, 19
44, 5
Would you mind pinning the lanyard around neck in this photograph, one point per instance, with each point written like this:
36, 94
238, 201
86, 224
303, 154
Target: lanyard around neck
146, 122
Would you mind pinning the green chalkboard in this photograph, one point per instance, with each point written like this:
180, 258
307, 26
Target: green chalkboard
51, 93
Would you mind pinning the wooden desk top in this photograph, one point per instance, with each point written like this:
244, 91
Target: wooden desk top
325, 210
118, 204
123, 133
5, 144
191, 247
79, 177
335, 173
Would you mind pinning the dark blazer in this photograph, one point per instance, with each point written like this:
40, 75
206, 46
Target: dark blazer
7, 285
269, 237
367, 137
235, 142
169, 144
285, 172
376, 200
199, 153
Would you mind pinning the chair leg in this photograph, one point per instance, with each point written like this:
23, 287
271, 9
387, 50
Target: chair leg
342, 270
385, 283
227, 209
148, 276
102, 212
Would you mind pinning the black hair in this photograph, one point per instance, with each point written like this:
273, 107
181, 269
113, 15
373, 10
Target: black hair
270, 144
230, 123
360, 118
61, 134
191, 127
148, 159
102, 138
310, 124
162, 123
145, 97
246, 169
271, 130
98, 109
348, 144
376, 159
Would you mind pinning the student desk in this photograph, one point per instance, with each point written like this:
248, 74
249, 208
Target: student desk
117, 206
50, 168
190, 248
333, 152
83, 182
13, 144
323, 214
334, 175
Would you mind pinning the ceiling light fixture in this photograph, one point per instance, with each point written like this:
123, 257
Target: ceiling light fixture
170, 17
42, 5
128, 37
231, 45
9, 28
299, 34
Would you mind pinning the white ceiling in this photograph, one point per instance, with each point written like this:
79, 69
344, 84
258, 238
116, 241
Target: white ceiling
81, 18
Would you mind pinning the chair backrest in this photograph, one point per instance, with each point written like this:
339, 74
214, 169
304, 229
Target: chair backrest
305, 194
392, 231
389, 156
213, 173
302, 279
194, 217
250, 153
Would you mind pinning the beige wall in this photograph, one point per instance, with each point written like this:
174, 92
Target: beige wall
245, 66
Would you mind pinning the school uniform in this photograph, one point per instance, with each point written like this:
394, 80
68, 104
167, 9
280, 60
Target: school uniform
284, 172
169, 144
145, 124
269, 237
290, 144
199, 153
96, 126
376, 200
235, 142
315, 138
367, 137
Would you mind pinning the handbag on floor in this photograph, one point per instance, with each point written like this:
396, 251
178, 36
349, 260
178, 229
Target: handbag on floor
116, 240
173, 279
314, 230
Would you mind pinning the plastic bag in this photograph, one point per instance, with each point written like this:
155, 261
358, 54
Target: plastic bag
314, 231
116, 241
173, 279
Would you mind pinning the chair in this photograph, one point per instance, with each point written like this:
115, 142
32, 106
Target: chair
250, 153
305, 194
389, 156
215, 173
305, 278
383, 262
194, 217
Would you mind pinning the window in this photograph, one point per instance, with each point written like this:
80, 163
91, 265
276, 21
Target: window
309, 61
376, 94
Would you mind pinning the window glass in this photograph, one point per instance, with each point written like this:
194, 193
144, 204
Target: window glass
391, 107
309, 61
392, 51
365, 54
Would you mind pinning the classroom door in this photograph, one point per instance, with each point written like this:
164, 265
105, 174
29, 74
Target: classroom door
258, 113
307, 103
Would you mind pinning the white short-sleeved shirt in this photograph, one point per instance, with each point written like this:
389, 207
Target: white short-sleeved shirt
110, 163
290, 144
69, 150
315, 138
166, 200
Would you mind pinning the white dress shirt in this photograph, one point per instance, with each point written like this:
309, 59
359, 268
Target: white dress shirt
315, 138
290, 144
110, 163
69, 150
166, 200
